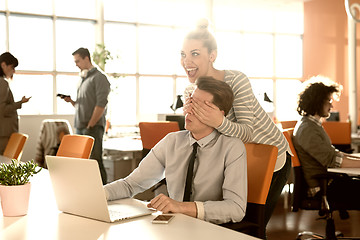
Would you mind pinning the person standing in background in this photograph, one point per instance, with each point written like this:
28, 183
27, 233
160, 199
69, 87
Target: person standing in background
90, 104
9, 120
246, 120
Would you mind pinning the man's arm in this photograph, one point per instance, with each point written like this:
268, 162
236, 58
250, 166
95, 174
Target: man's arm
96, 115
234, 192
167, 205
149, 172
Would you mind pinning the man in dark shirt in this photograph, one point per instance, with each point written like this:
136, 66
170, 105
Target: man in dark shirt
314, 147
90, 105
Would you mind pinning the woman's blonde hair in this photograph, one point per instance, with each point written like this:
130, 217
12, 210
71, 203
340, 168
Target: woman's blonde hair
203, 34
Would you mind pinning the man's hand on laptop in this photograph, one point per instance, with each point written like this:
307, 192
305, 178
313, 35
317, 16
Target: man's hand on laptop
167, 205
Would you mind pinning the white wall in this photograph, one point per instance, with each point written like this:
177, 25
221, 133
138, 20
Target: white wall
30, 124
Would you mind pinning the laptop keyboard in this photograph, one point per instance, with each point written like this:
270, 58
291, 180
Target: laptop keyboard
116, 215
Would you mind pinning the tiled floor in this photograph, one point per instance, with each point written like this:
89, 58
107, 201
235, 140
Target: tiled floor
284, 224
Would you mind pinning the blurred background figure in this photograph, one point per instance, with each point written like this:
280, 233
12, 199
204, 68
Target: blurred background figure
9, 120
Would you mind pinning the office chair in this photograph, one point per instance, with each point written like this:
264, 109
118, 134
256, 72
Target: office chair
51, 133
339, 134
77, 146
302, 201
288, 124
261, 160
15, 146
151, 133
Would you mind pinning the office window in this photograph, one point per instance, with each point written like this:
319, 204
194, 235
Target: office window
122, 101
32, 42
155, 95
258, 55
260, 87
71, 35
232, 15
178, 40
38, 87
290, 21
181, 84
66, 84
33, 6
2, 33
164, 12
288, 54
157, 52
120, 10
230, 50
120, 40
286, 99
78, 8
145, 38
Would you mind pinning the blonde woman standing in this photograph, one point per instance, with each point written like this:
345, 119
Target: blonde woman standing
246, 120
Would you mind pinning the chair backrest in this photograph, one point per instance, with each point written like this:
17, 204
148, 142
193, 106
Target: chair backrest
77, 146
152, 132
288, 133
261, 160
288, 124
15, 145
299, 195
339, 132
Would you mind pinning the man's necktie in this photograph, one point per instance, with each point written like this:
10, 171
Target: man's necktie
189, 176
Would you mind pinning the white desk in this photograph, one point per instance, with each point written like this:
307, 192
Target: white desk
350, 171
44, 221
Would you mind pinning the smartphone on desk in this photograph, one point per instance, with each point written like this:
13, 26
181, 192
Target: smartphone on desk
163, 218
62, 95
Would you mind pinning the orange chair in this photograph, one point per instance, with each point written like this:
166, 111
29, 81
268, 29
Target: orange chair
152, 132
339, 134
77, 146
15, 145
288, 124
261, 161
288, 135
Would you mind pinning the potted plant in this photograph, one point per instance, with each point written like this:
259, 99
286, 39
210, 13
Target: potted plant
15, 186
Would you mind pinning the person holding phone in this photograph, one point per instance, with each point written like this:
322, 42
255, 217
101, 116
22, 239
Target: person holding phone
9, 120
216, 188
90, 105
246, 119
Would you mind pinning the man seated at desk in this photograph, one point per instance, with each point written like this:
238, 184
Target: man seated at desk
314, 148
218, 191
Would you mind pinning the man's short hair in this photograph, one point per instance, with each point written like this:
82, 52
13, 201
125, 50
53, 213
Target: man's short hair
311, 100
83, 52
223, 96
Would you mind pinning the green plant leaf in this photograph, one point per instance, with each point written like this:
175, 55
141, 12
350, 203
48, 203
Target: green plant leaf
17, 173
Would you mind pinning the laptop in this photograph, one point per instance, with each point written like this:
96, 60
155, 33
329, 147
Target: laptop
79, 191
